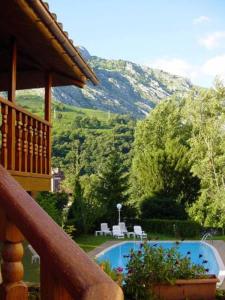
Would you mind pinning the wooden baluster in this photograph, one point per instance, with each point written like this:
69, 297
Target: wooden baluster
45, 149
4, 130
12, 286
35, 165
11, 138
40, 148
19, 143
49, 150
31, 145
25, 143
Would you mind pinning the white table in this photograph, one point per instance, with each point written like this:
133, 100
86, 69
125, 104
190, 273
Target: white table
130, 234
98, 232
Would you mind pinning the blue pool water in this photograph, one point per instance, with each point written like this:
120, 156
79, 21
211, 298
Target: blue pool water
115, 255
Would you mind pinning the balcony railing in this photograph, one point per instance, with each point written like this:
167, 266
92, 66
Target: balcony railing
66, 271
26, 143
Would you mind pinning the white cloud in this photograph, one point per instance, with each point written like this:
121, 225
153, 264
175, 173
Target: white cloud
215, 66
201, 74
175, 66
201, 19
213, 40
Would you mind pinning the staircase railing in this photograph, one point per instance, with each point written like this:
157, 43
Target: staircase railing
66, 271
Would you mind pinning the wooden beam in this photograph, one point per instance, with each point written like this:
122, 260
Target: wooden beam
12, 76
27, 79
48, 100
48, 96
12, 112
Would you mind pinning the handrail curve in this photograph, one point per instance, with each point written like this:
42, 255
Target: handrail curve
79, 274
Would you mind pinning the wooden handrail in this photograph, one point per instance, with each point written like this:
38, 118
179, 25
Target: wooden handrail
80, 276
23, 110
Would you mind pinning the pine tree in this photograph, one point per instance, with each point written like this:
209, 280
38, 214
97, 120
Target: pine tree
76, 211
112, 188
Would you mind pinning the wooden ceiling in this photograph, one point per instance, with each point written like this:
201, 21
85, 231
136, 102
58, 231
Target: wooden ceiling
39, 51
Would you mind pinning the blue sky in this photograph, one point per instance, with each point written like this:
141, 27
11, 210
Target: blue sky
184, 37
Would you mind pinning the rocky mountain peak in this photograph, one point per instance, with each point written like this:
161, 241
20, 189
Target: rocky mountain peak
84, 52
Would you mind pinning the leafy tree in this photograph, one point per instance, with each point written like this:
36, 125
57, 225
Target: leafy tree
53, 204
161, 163
206, 113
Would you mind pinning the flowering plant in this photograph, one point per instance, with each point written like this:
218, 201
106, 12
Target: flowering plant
115, 274
151, 265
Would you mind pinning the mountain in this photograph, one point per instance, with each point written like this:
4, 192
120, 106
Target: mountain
125, 87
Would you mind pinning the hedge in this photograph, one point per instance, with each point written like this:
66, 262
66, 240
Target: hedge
179, 228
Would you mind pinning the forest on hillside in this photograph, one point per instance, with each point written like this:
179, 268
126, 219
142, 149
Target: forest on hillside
168, 166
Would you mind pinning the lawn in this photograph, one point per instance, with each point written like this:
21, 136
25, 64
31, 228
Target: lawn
31, 271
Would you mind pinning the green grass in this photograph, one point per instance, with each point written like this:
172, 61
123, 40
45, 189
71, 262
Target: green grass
90, 242
31, 271
218, 237
35, 104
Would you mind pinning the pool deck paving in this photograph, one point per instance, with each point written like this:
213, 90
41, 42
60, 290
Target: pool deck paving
218, 244
220, 247
92, 254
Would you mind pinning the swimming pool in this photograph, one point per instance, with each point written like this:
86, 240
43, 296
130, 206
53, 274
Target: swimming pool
199, 252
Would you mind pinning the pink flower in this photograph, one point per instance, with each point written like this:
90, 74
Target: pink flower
119, 269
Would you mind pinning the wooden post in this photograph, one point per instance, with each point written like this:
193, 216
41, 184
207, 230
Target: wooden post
12, 286
48, 98
12, 79
12, 112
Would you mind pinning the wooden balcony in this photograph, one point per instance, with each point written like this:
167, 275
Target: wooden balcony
25, 146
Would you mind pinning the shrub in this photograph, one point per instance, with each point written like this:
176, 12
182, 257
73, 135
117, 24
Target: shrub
162, 206
179, 228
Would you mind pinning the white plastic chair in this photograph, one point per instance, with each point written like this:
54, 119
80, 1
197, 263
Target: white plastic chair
105, 229
35, 257
139, 232
116, 231
123, 228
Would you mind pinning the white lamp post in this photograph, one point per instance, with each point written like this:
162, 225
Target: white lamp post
119, 206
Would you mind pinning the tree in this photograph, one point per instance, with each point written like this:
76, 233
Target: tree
84, 204
112, 188
53, 204
159, 206
206, 112
161, 163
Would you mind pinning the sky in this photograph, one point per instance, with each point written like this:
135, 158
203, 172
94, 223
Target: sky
183, 37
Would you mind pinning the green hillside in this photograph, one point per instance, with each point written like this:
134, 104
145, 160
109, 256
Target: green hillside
63, 115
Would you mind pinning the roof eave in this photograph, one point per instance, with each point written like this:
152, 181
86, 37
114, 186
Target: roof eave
42, 12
